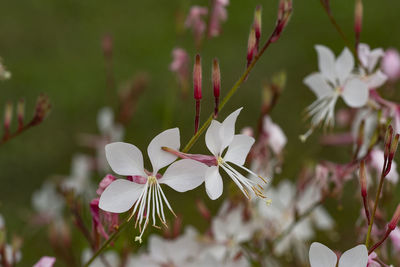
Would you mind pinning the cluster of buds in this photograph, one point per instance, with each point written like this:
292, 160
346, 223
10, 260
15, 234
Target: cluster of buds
391, 144
197, 87
284, 13
42, 109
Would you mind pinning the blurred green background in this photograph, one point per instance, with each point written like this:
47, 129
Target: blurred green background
54, 47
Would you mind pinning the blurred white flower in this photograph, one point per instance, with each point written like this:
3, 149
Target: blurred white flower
4, 73
276, 137
391, 64
321, 256
178, 252
79, 179
126, 159
369, 72
220, 136
334, 80
41, 199
229, 230
377, 161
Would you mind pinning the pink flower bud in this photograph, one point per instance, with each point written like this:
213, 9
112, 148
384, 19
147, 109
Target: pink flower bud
204, 212
21, 113
45, 261
257, 23
391, 64
216, 77
197, 78
7, 118
358, 14
107, 180
395, 219
251, 46
42, 109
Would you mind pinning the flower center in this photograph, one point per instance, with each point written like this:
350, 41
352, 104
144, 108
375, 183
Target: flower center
152, 179
220, 160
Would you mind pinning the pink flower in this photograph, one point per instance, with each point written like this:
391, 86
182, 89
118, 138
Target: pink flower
180, 65
218, 15
45, 262
391, 64
195, 21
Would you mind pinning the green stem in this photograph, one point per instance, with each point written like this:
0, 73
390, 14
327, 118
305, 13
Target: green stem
378, 194
107, 242
231, 92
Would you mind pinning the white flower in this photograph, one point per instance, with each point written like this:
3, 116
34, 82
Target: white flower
220, 136
369, 60
178, 252
126, 159
41, 199
377, 161
79, 179
276, 137
334, 80
229, 230
321, 256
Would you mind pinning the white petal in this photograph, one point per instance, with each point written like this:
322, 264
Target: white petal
184, 175
239, 148
158, 248
228, 128
158, 157
326, 62
376, 80
355, 93
363, 53
321, 256
276, 137
125, 159
344, 65
374, 57
355, 257
120, 196
318, 85
213, 138
213, 181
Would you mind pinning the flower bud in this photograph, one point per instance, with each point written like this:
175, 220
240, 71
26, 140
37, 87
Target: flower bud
107, 45
197, 78
391, 64
257, 23
251, 46
358, 13
7, 118
42, 109
21, 113
216, 77
388, 140
395, 219
201, 207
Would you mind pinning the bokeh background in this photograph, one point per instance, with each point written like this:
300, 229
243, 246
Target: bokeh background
53, 47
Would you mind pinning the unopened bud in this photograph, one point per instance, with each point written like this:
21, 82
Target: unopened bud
395, 219
216, 77
42, 109
251, 46
257, 23
388, 140
197, 78
201, 207
177, 228
21, 113
279, 81
363, 179
393, 147
8, 117
358, 13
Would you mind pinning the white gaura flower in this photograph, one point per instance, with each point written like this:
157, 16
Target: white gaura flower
369, 59
321, 256
334, 80
220, 136
126, 159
